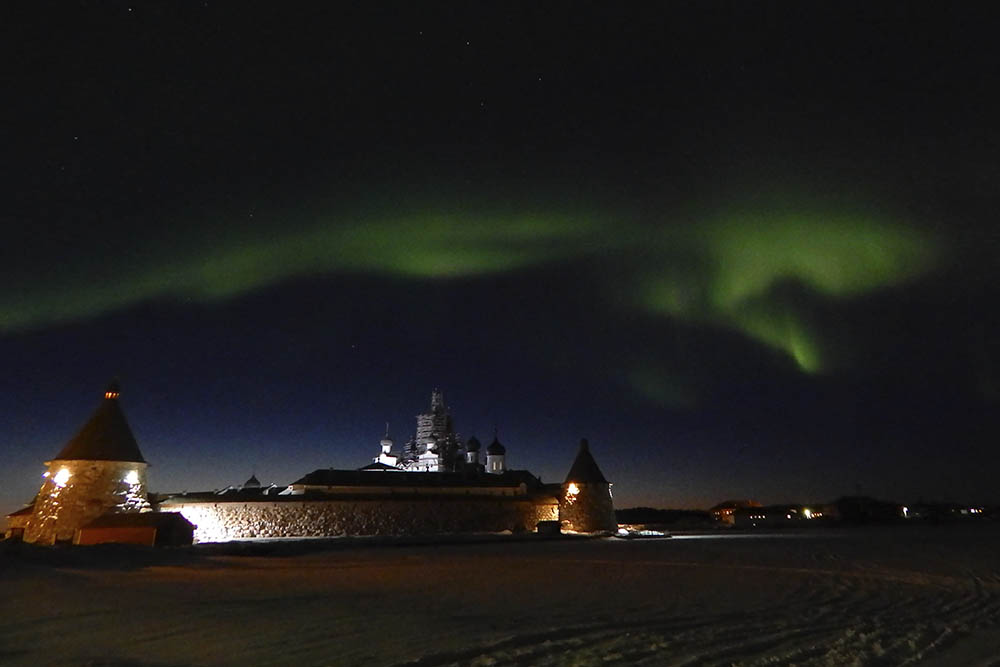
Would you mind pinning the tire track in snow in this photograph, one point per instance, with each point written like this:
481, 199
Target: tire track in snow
868, 616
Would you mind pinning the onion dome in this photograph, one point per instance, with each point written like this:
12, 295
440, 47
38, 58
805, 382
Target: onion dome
495, 448
473, 444
106, 436
584, 468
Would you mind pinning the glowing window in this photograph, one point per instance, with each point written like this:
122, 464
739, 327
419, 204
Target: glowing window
62, 477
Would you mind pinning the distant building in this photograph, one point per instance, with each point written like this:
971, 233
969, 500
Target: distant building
777, 516
944, 512
723, 512
496, 457
386, 457
862, 509
435, 447
472, 447
99, 470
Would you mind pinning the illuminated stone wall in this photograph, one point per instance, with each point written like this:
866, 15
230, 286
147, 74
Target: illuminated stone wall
222, 521
587, 508
76, 492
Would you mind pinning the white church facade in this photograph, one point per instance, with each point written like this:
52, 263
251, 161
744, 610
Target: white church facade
437, 447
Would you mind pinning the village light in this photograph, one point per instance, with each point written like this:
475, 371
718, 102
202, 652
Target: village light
807, 513
132, 477
573, 489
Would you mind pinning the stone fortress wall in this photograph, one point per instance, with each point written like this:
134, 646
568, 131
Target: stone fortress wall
400, 515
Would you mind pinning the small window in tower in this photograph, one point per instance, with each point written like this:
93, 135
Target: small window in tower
62, 477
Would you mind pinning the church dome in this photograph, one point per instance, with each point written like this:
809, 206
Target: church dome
473, 445
495, 448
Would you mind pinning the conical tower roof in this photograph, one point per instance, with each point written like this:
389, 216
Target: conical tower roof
584, 468
106, 436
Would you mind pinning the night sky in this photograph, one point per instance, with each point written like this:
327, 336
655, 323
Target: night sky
749, 250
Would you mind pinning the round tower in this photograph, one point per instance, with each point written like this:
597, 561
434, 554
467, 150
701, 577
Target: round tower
585, 505
496, 455
100, 470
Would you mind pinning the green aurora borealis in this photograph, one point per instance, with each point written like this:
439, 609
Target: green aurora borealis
741, 261
717, 271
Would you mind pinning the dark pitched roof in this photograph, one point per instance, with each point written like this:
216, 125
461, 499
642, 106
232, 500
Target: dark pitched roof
157, 519
408, 478
105, 437
584, 468
379, 466
252, 483
247, 492
24, 510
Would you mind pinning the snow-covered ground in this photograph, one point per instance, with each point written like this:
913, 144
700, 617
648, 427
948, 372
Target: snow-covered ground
891, 596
